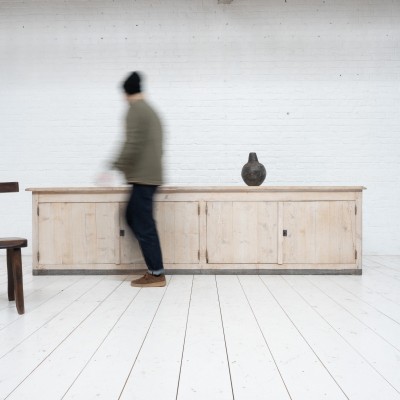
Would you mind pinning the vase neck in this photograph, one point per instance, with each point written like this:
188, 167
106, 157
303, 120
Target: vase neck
253, 157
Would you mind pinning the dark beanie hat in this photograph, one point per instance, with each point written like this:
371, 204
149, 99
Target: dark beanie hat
132, 84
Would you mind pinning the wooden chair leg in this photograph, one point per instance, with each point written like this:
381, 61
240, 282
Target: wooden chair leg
18, 283
11, 295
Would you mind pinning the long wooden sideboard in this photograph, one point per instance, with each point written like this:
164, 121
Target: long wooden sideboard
272, 230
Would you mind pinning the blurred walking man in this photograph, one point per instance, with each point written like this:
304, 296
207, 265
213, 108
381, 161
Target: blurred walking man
140, 162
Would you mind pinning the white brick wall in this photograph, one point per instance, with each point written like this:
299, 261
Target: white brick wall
312, 86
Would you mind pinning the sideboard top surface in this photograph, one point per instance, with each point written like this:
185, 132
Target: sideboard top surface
198, 189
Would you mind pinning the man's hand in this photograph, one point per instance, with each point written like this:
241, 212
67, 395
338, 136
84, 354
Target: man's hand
106, 178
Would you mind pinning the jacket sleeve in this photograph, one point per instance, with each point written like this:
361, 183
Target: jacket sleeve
133, 145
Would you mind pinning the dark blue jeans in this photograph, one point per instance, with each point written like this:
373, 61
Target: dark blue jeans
139, 216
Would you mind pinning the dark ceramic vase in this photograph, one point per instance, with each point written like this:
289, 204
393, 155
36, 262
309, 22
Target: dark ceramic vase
253, 173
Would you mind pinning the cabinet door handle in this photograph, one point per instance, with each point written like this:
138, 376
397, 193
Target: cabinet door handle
284, 232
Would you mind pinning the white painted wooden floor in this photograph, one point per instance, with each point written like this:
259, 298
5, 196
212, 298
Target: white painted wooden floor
205, 337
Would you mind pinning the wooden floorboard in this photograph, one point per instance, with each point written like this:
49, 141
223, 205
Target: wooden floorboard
116, 355
373, 298
204, 370
303, 372
357, 378
160, 357
99, 311
204, 337
373, 348
254, 371
376, 320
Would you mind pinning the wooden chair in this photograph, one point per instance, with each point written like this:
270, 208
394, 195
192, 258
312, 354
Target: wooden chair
14, 262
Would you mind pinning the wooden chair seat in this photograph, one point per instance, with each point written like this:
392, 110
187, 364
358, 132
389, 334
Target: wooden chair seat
11, 242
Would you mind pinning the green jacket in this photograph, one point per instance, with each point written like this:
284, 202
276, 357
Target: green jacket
140, 156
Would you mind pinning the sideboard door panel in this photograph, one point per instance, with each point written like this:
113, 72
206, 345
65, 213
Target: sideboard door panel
78, 233
242, 232
178, 229
319, 232
129, 246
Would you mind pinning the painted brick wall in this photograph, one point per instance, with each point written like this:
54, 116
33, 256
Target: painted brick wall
312, 86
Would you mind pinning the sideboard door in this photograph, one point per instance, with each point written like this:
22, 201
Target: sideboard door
242, 232
78, 233
319, 232
129, 246
178, 229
